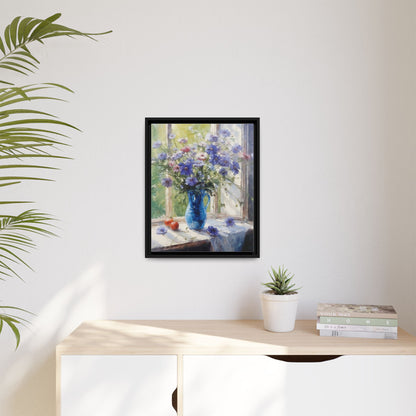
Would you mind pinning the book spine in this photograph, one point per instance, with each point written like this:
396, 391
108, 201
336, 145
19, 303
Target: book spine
389, 329
336, 320
389, 316
356, 334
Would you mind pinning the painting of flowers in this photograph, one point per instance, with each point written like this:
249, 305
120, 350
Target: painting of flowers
202, 187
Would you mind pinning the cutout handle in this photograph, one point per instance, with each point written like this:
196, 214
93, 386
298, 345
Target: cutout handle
175, 400
304, 358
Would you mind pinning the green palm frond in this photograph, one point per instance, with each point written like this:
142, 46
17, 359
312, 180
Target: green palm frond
23, 31
26, 133
12, 320
16, 238
30, 140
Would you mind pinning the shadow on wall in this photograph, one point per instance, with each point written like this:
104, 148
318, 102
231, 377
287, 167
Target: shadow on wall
28, 386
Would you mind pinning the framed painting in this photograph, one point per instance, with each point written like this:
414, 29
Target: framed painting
202, 187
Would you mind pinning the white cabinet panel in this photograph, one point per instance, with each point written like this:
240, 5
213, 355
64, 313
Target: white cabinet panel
233, 385
353, 385
262, 386
131, 385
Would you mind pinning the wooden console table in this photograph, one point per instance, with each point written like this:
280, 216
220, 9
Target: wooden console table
226, 368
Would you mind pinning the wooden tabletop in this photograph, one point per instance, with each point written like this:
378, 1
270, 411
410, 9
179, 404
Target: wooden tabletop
220, 337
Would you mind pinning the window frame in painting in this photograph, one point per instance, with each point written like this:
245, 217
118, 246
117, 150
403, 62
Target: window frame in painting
255, 121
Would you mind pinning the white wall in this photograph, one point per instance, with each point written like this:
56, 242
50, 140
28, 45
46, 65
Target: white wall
334, 85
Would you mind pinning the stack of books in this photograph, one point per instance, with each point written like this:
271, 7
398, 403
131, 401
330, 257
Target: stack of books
357, 321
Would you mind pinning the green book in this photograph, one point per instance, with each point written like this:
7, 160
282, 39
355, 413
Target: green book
343, 320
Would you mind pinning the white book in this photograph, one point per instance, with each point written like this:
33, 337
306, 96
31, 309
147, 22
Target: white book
356, 328
357, 334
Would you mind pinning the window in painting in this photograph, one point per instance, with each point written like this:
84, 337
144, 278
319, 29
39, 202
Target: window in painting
225, 148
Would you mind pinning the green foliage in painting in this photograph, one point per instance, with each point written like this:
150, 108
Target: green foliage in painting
29, 141
180, 202
158, 194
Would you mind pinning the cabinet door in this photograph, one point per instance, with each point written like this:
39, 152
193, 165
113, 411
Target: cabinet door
132, 385
259, 385
233, 385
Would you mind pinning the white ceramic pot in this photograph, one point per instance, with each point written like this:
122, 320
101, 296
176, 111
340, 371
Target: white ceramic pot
279, 311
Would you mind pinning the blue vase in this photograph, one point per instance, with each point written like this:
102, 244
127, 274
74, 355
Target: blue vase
196, 211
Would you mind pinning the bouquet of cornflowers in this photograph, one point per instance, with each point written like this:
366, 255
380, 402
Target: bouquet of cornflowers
206, 164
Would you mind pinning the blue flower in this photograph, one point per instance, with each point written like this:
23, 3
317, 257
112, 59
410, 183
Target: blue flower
229, 222
223, 172
236, 148
211, 137
171, 136
235, 168
191, 181
157, 144
167, 182
212, 231
161, 230
177, 155
214, 159
162, 156
225, 133
212, 149
224, 160
186, 168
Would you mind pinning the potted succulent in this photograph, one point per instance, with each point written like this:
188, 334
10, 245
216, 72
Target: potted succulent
280, 301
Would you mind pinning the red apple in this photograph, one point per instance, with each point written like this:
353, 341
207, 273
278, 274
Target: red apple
174, 225
168, 222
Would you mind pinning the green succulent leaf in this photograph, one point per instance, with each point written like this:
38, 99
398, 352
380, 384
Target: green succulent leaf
281, 282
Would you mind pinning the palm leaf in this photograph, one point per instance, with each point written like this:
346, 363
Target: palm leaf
16, 235
12, 321
20, 137
21, 32
26, 133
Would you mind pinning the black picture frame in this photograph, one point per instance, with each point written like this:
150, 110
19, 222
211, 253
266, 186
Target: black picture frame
253, 124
